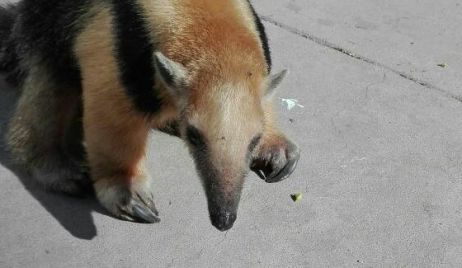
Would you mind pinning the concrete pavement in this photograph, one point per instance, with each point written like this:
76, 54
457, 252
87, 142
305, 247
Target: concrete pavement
381, 169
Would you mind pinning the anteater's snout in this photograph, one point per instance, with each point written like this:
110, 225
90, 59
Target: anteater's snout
223, 220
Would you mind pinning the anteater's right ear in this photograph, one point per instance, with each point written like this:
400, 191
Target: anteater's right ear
173, 74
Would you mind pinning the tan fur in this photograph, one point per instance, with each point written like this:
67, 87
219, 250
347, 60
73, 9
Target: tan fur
115, 134
218, 43
199, 35
186, 32
231, 75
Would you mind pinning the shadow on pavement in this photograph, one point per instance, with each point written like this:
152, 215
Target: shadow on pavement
74, 214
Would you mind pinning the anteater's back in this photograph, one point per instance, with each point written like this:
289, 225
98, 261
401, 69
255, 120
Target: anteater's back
44, 31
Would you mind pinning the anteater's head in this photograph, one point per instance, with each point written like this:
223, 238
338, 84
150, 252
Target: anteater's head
222, 121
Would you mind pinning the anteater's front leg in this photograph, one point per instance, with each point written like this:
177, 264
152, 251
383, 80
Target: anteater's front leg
115, 133
276, 157
115, 139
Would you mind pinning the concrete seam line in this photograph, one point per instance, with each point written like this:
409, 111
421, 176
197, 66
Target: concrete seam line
353, 55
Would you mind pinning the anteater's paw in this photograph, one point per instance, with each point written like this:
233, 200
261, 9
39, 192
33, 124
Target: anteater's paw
132, 203
68, 180
276, 159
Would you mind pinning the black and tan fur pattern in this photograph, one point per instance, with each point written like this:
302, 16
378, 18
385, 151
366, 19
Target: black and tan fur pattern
97, 76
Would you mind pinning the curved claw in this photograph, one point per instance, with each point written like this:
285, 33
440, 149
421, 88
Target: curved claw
260, 173
134, 205
285, 173
143, 214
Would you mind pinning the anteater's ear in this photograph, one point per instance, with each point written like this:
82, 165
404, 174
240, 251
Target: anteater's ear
173, 74
274, 81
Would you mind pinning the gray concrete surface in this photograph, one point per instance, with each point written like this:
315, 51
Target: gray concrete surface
381, 169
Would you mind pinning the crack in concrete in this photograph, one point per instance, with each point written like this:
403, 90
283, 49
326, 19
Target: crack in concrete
327, 44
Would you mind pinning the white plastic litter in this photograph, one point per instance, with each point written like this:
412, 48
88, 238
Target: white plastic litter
292, 103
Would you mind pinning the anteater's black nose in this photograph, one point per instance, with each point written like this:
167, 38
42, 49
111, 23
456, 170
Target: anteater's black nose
223, 220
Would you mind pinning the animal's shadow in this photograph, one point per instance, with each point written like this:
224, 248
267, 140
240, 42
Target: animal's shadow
74, 214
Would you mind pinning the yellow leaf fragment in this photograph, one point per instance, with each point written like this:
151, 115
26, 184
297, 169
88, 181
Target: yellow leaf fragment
296, 197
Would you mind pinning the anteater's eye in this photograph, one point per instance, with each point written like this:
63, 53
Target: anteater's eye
255, 141
195, 137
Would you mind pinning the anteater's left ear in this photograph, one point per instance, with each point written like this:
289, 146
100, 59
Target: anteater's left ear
274, 81
173, 74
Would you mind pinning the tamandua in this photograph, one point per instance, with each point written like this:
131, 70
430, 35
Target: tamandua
96, 76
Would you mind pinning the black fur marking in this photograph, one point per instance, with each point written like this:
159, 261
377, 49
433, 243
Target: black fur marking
46, 30
8, 59
7, 16
135, 56
196, 138
253, 144
219, 202
172, 129
263, 37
